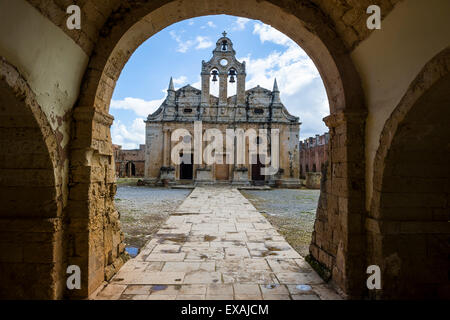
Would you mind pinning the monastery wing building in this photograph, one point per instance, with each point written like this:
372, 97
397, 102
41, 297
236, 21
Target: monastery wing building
257, 108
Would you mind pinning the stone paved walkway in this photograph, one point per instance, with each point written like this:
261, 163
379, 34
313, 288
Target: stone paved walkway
216, 245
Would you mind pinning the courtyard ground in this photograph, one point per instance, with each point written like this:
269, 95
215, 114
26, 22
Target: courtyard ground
216, 245
143, 210
291, 211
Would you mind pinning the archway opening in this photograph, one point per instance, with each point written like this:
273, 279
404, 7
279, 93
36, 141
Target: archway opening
31, 242
343, 90
415, 201
262, 61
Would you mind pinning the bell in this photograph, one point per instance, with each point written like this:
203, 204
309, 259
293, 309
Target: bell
224, 45
214, 73
232, 73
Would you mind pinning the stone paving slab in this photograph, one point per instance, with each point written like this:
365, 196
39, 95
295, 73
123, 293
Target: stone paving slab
217, 246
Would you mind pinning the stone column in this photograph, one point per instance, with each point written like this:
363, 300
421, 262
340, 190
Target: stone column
223, 86
96, 241
169, 147
240, 89
341, 206
166, 147
205, 89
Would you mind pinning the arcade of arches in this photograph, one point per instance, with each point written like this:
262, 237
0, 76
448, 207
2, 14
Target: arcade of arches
385, 198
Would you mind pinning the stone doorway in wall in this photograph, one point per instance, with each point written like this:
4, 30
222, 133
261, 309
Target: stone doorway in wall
222, 170
257, 176
131, 169
187, 169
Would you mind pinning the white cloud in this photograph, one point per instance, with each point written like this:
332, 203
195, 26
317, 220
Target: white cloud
179, 81
183, 46
140, 107
300, 84
198, 84
267, 33
203, 43
211, 24
128, 137
199, 43
292, 68
301, 87
240, 23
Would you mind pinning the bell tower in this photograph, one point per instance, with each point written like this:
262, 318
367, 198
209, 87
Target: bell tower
223, 67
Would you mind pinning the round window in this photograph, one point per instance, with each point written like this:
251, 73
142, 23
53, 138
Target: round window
224, 62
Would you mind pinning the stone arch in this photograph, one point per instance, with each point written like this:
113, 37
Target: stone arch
307, 25
408, 231
31, 252
129, 27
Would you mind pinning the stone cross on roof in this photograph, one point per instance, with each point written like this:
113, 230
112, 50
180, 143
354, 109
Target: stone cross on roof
224, 33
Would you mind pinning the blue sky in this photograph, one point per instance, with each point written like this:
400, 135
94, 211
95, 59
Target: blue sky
177, 52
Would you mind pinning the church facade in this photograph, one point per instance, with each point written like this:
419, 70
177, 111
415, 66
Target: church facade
241, 157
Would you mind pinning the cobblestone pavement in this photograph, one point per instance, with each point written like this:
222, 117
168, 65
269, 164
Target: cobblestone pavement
216, 245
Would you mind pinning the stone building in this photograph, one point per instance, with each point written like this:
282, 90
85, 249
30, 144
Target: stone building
129, 163
313, 154
253, 109
313, 157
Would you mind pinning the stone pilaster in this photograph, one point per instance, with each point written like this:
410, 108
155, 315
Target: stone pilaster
240, 90
95, 242
223, 89
205, 89
166, 148
341, 208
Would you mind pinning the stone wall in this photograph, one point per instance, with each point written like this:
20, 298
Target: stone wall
313, 154
159, 149
313, 180
407, 228
124, 159
31, 211
347, 16
95, 238
338, 242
